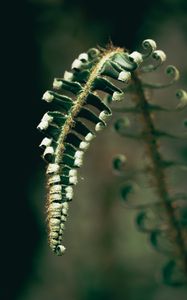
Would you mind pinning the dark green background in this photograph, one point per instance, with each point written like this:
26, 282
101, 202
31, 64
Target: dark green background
106, 257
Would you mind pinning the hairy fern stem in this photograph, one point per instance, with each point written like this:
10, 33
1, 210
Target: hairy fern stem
81, 99
157, 170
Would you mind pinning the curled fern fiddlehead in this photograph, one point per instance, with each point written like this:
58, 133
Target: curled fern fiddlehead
68, 129
162, 220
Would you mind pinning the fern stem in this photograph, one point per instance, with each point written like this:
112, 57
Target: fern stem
157, 170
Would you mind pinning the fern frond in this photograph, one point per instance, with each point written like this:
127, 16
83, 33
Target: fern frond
168, 230
67, 129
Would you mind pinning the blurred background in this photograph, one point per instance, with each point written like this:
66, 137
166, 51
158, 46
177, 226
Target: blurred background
106, 258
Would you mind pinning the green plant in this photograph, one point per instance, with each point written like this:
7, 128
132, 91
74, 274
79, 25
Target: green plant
70, 130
